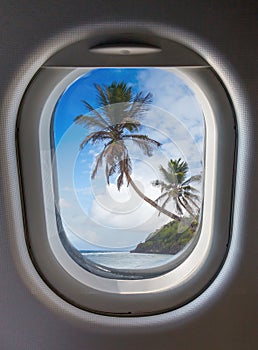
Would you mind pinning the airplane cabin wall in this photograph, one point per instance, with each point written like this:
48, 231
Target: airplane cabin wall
225, 34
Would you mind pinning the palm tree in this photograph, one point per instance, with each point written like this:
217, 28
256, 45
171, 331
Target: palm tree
116, 121
178, 188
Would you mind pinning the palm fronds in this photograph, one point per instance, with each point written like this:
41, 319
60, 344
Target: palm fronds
177, 188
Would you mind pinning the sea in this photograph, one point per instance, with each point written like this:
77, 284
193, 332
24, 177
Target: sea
127, 260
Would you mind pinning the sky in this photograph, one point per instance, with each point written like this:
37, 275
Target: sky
95, 215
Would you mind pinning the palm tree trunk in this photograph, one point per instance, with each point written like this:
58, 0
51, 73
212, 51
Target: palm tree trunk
150, 201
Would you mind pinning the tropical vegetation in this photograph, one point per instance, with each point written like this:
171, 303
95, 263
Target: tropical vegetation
176, 187
117, 120
169, 239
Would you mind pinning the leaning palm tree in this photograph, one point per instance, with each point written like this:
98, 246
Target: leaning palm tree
177, 187
117, 120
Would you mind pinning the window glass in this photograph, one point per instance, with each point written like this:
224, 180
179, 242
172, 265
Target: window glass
128, 163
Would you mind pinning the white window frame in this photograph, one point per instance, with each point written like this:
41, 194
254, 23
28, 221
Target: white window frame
113, 296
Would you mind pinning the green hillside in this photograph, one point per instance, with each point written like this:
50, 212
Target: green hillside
167, 239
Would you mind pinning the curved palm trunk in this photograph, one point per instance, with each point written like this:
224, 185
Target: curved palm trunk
150, 201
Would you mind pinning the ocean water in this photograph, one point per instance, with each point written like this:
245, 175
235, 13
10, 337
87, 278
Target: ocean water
127, 260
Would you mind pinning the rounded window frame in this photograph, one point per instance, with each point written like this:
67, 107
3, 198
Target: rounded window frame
125, 297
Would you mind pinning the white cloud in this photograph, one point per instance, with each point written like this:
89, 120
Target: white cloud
175, 105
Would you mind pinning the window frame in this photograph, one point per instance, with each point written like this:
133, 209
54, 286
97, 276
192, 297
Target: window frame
125, 297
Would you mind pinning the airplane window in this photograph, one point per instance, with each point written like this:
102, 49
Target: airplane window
129, 146
128, 206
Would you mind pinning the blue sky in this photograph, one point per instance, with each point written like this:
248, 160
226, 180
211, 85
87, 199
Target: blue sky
98, 216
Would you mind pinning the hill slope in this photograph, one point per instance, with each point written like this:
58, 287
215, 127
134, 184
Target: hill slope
167, 239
